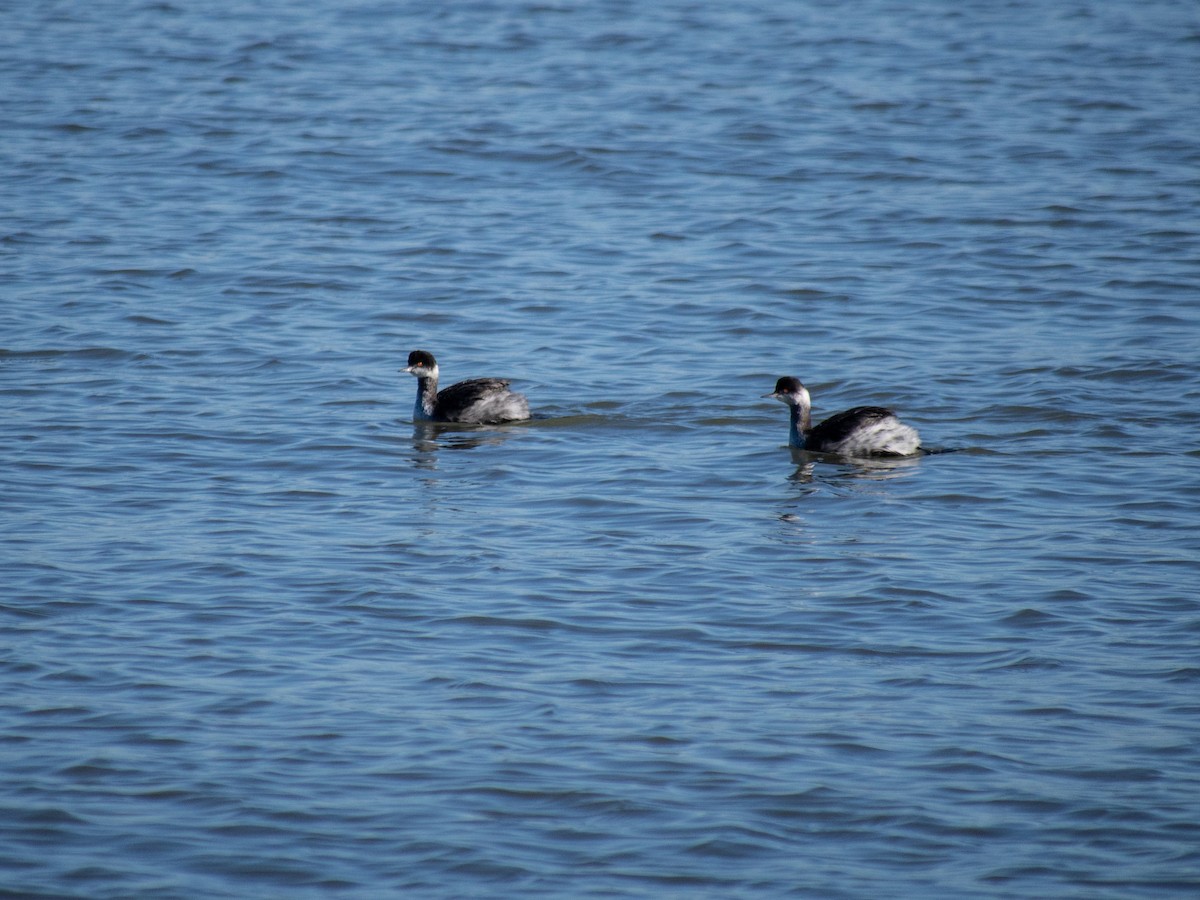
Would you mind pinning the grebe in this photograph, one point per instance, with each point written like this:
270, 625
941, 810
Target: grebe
862, 431
477, 401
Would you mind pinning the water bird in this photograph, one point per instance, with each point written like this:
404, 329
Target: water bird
861, 431
476, 401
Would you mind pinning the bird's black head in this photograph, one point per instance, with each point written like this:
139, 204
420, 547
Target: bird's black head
422, 358
789, 390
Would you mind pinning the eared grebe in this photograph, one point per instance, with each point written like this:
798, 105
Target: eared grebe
862, 431
477, 401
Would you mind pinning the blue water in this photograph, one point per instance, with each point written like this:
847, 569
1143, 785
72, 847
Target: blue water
263, 637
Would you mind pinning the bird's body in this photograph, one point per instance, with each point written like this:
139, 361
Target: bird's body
476, 401
861, 431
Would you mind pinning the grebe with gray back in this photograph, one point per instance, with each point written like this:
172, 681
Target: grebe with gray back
476, 401
861, 431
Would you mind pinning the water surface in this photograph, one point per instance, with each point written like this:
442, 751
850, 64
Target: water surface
265, 637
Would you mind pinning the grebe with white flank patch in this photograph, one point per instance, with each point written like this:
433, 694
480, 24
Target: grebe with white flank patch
861, 431
477, 401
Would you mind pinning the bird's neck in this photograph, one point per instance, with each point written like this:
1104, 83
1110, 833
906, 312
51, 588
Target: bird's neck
426, 396
800, 424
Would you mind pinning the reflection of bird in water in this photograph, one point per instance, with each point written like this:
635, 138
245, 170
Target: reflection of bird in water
861, 431
477, 401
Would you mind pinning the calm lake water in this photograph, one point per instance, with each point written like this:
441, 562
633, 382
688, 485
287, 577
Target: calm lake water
265, 638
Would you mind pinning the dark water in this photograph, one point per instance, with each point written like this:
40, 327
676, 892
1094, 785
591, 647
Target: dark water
263, 638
